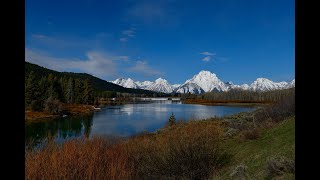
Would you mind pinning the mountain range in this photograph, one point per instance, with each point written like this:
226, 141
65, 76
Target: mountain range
204, 81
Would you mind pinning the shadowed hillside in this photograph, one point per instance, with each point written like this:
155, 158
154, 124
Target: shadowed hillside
97, 83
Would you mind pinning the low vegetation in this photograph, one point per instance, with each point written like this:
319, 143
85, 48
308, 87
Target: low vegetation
251, 145
96, 158
35, 115
192, 150
270, 156
238, 97
55, 109
186, 151
280, 165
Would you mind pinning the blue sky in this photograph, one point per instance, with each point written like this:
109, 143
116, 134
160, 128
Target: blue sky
238, 40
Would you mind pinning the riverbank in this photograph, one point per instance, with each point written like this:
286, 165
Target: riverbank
69, 109
226, 103
247, 145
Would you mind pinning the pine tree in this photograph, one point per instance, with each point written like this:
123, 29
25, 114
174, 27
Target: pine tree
50, 78
31, 89
87, 92
52, 91
43, 87
78, 90
172, 120
70, 91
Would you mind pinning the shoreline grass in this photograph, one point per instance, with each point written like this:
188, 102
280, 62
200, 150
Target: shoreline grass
226, 102
70, 109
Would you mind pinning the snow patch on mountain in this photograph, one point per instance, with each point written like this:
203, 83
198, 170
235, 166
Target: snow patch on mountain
190, 87
175, 87
291, 84
245, 86
143, 84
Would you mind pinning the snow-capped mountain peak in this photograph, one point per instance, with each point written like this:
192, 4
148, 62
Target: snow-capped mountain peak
208, 81
161, 85
206, 73
264, 84
160, 80
128, 83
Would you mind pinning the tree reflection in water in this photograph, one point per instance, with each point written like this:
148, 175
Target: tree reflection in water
58, 129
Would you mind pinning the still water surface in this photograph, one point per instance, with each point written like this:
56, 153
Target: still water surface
124, 120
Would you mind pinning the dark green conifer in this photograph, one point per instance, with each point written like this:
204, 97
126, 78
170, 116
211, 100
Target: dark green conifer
172, 120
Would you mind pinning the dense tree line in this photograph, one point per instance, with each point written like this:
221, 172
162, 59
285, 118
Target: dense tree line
53, 89
99, 85
243, 95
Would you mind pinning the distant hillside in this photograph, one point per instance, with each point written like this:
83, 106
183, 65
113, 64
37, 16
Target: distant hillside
97, 83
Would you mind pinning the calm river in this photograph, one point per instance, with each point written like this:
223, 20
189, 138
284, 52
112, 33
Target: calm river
124, 120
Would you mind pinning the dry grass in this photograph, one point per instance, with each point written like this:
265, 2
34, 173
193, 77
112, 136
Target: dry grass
190, 150
185, 151
79, 159
278, 166
32, 115
76, 109
251, 134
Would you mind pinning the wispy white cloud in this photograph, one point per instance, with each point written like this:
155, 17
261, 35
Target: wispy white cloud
127, 34
208, 56
206, 59
208, 53
97, 63
142, 67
